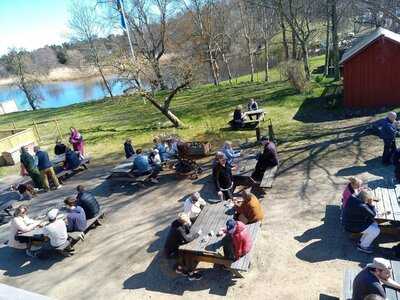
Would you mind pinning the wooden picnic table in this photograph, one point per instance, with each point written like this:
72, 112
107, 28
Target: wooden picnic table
7, 199
387, 207
259, 114
208, 246
350, 274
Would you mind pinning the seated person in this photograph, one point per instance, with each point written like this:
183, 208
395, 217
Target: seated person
230, 154
248, 209
237, 240
59, 148
252, 105
26, 191
172, 149
76, 218
353, 188
268, 159
72, 160
161, 149
56, 231
238, 117
154, 158
141, 166
21, 223
128, 147
88, 202
371, 279
223, 177
359, 217
193, 206
178, 235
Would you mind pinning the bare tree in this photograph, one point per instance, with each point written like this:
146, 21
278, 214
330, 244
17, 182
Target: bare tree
19, 64
86, 29
269, 19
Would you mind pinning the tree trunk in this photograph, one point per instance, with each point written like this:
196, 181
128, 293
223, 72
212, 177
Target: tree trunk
266, 54
174, 119
28, 95
284, 39
294, 46
157, 71
335, 40
212, 66
305, 60
327, 48
248, 40
228, 69
107, 86
250, 54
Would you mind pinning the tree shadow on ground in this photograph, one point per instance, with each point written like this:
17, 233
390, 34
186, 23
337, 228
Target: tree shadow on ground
160, 277
373, 166
327, 297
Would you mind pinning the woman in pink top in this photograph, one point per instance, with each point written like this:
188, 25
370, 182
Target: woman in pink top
352, 188
76, 140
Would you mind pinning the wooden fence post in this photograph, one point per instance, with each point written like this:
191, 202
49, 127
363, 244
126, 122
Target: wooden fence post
36, 130
13, 124
58, 128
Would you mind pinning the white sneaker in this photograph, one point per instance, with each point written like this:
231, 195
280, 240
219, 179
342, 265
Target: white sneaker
59, 187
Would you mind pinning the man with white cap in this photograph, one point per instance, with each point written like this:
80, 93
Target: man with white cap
388, 134
372, 278
193, 206
56, 230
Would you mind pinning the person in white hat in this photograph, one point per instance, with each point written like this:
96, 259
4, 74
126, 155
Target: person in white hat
56, 230
372, 278
193, 206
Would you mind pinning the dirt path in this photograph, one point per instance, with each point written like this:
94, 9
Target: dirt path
301, 253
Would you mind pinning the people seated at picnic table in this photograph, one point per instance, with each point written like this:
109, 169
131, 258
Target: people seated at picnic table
88, 202
359, 217
238, 118
248, 208
26, 191
172, 148
236, 241
77, 142
29, 164
60, 148
353, 188
21, 223
266, 160
180, 234
141, 166
46, 168
388, 135
230, 154
371, 279
154, 158
72, 160
252, 105
76, 218
128, 148
56, 231
193, 206
162, 151
223, 178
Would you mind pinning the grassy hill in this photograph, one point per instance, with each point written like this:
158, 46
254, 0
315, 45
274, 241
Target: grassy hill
205, 109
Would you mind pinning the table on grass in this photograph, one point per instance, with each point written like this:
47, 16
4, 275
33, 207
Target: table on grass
350, 274
259, 114
208, 247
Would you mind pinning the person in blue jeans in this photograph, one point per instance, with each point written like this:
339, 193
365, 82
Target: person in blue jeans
141, 166
388, 134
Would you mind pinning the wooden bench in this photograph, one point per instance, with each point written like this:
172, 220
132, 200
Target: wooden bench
67, 173
77, 236
269, 177
350, 274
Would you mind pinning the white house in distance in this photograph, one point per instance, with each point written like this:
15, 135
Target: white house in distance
7, 107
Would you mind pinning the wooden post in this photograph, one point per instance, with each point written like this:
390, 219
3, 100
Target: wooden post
58, 128
36, 130
13, 124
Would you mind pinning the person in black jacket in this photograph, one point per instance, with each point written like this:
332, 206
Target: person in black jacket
129, 150
59, 148
268, 159
388, 134
178, 235
72, 160
238, 118
223, 178
88, 202
359, 217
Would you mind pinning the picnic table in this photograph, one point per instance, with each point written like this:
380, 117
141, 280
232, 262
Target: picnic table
11, 293
387, 206
6, 201
207, 247
350, 274
259, 114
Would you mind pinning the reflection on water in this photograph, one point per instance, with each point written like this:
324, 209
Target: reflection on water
63, 93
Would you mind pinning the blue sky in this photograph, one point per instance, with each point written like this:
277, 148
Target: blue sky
32, 24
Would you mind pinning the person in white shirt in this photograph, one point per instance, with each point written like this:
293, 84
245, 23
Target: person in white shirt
19, 224
56, 230
193, 206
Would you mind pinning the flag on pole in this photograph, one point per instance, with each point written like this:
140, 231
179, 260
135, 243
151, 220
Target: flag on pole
121, 12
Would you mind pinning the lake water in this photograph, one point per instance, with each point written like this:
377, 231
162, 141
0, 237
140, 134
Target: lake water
62, 93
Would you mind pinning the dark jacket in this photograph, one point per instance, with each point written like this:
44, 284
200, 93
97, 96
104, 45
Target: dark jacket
357, 215
366, 283
43, 160
28, 161
129, 150
89, 204
76, 220
72, 160
388, 130
269, 157
252, 106
179, 234
60, 149
223, 176
237, 115
396, 158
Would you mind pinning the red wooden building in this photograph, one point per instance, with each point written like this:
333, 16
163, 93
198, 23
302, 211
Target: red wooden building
371, 70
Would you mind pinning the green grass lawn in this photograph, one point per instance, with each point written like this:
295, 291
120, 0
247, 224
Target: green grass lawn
204, 109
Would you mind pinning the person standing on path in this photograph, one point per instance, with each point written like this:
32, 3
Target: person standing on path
388, 134
76, 140
29, 164
46, 168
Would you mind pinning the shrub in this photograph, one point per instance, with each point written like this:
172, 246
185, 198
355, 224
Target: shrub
293, 71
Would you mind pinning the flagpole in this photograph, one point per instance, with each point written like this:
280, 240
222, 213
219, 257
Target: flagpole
127, 30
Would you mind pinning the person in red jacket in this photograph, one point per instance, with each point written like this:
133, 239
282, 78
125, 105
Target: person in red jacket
237, 241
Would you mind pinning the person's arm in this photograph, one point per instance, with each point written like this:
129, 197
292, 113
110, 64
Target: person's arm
187, 237
391, 283
23, 227
369, 210
202, 202
187, 208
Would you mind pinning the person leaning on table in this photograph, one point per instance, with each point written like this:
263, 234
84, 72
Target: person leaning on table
56, 231
359, 217
193, 206
248, 209
371, 279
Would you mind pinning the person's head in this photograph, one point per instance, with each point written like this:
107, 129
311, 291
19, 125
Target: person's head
231, 226
380, 267
128, 141
252, 100
70, 202
392, 116
246, 195
365, 196
221, 158
156, 140
80, 188
194, 197
184, 219
139, 151
24, 149
21, 211
72, 129
239, 107
355, 182
228, 145
264, 140
58, 142
36, 149
52, 214
373, 297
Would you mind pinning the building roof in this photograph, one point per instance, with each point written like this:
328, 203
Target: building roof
367, 40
